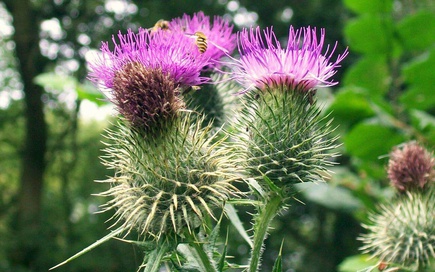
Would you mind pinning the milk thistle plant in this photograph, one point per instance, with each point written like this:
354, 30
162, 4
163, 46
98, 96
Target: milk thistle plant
401, 233
173, 175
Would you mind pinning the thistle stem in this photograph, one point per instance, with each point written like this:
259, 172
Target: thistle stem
156, 256
262, 222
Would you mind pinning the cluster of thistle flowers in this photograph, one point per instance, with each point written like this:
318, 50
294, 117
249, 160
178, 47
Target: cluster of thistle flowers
170, 172
402, 233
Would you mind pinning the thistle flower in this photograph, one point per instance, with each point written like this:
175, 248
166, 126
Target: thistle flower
411, 167
286, 138
145, 74
165, 186
220, 40
301, 66
403, 231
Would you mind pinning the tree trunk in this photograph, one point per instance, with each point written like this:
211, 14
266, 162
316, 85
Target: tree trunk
30, 64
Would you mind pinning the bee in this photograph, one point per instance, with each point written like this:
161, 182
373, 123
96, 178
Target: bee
191, 88
160, 25
201, 41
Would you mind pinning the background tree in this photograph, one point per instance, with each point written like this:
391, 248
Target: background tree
26, 37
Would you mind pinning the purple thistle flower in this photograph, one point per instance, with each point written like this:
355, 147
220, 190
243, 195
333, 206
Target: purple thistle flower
174, 54
300, 66
146, 72
219, 37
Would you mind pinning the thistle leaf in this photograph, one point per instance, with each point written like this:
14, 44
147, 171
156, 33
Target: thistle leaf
237, 223
106, 238
277, 266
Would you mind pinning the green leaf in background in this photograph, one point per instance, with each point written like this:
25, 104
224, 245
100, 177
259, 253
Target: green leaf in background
351, 105
369, 72
418, 97
357, 263
420, 75
59, 83
89, 92
370, 34
369, 6
422, 120
417, 31
56, 82
425, 123
330, 196
352, 183
421, 69
369, 141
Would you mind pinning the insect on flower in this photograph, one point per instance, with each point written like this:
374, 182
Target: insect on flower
160, 25
200, 41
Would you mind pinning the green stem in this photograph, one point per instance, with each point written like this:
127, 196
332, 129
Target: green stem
155, 258
261, 226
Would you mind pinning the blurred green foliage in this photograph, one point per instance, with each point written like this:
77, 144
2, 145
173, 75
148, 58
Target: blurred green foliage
385, 97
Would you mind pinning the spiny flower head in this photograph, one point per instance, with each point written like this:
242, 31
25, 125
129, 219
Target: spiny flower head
411, 167
301, 65
165, 186
285, 139
403, 231
219, 38
145, 73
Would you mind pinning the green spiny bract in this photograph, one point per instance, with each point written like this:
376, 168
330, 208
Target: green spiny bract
286, 138
167, 184
403, 232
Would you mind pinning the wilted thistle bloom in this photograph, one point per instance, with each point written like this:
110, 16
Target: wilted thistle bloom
403, 231
300, 66
411, 167
287, 139
219, 38
145, 74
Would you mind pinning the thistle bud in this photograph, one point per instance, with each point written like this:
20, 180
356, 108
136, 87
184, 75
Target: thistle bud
411, 167
403, 231
286, 139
